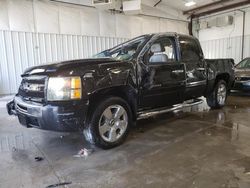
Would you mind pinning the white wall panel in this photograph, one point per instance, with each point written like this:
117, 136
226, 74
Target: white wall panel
4, 76
136, 26
50, 17
150, 25
247, 46
247, 22
11, 68
226, 48
19, 50
33, 32
107, 24
163, 25
4, 19
233, 30
21, 15
70, 19
123, 26
90, 24
47, 17
183, 28
173, 26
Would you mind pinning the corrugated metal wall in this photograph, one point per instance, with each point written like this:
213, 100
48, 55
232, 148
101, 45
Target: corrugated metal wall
19, 50
226, 48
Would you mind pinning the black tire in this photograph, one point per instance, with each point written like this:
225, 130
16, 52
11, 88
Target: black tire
212, 99
91, 130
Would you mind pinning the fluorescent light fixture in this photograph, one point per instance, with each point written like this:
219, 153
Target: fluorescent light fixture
190, 3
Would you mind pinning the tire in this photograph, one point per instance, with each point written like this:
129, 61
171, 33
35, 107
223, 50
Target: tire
106, 127
217, 98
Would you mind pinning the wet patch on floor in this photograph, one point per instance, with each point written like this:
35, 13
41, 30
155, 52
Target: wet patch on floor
195, 147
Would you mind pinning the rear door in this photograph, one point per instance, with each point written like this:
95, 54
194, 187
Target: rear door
163, 82
192, 57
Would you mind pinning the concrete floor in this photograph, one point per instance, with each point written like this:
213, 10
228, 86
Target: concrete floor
195, 148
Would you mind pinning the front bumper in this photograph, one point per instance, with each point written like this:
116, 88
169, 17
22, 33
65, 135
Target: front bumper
60, 117
242, 85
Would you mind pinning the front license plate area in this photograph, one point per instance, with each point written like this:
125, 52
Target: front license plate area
23, 120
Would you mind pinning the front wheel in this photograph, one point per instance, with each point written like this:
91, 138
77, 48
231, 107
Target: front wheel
109, 123
217, 98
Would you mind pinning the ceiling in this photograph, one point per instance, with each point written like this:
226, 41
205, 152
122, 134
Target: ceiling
203, 7
180, 4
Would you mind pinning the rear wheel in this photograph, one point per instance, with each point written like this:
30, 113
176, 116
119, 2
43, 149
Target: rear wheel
217, 98
109, 123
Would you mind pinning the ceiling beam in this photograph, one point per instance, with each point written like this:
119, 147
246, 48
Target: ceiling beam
231, 6
210, 5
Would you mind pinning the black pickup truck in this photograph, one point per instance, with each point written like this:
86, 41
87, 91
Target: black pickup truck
104, 96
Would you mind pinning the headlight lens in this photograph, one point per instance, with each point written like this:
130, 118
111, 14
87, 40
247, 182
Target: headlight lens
64, 88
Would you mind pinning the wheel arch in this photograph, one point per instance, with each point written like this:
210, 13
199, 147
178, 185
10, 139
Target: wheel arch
125, 92
212, 83
222, 76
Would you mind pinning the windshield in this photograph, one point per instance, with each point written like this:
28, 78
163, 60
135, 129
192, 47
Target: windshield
124, 51
245, 64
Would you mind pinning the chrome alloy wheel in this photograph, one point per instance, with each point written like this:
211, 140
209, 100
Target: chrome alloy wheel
113, 123
221, 94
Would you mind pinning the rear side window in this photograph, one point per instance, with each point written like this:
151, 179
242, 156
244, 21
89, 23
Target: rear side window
190, 49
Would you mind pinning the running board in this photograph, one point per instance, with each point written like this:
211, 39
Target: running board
149, 113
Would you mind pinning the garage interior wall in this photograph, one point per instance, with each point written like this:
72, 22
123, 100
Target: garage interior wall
36, 32
226, 42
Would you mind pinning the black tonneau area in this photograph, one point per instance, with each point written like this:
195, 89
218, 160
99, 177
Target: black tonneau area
222, 65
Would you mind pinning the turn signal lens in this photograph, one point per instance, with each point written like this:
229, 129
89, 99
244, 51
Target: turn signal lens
76, 94
76, 83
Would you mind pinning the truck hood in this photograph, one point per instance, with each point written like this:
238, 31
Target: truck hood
56, 66
242, 72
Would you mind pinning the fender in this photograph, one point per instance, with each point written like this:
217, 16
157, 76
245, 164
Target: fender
112, 80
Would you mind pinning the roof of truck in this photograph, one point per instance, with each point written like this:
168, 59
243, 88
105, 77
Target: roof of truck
173, 34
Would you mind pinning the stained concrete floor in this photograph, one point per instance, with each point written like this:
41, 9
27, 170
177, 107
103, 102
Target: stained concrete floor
193, 148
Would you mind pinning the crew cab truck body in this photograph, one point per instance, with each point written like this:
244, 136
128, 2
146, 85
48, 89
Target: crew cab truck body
103, 96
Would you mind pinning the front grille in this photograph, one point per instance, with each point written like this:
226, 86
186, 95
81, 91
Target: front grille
22, 108
32, 88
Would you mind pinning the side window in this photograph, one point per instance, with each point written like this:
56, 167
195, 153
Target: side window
162, 51
190, 49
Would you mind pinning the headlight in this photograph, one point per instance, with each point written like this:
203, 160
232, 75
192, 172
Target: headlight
64, 88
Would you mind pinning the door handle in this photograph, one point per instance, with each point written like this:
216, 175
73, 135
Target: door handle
177, 71
200, 69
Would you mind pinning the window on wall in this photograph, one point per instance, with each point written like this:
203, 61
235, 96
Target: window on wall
190, 49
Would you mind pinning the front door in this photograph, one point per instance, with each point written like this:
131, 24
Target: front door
163, 82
